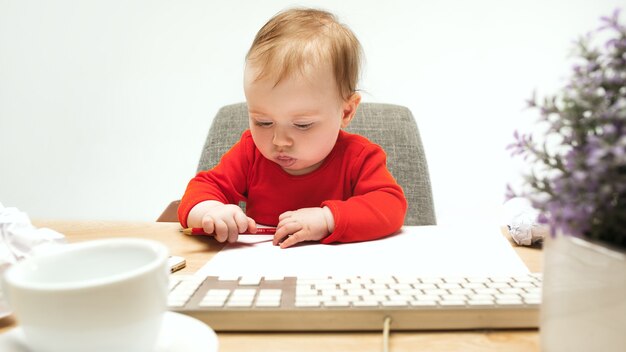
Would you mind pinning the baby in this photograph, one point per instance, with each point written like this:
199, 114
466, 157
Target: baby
295, 168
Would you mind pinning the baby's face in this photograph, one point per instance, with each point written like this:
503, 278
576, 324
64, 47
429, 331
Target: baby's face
295, 123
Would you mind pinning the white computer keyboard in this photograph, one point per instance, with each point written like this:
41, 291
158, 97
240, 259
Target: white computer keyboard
357, 303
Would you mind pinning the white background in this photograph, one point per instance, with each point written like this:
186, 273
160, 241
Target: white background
105, 105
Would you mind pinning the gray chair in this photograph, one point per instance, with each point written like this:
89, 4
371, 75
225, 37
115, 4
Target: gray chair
390, 126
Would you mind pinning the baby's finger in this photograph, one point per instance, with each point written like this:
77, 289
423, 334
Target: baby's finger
285, 221
293, 239
233, 230
251, 225
233, 236
208, 224
285, 215
221, 231
241, 221
283, 231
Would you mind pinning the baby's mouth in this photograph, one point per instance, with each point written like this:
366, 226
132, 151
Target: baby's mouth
284, 161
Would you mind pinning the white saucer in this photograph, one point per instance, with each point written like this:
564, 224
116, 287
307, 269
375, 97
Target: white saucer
180, 333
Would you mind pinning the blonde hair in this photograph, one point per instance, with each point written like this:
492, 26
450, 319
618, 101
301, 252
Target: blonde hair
295, 38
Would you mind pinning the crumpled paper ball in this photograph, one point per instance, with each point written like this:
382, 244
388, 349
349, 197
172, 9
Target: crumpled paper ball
521, 220
19, 239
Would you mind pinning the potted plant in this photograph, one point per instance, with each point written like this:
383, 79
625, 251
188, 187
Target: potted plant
577, 182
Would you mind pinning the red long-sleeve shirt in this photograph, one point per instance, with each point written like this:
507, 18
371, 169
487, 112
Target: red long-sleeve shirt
353, 182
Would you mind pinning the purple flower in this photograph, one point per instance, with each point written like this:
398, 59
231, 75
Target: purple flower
582, 188
611, 22
522, 145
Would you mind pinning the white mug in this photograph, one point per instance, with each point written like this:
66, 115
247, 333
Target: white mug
102, 295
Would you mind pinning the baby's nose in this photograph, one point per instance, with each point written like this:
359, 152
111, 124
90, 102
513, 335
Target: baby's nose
281, 139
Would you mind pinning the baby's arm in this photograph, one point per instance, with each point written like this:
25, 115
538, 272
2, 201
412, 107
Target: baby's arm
306, 224
226, 221
377, 206
210, 198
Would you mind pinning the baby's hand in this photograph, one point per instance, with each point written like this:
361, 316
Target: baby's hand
226, 221
307, 224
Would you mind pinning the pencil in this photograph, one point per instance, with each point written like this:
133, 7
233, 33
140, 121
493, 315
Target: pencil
259, 231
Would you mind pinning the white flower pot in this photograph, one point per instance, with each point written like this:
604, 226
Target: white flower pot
584, 297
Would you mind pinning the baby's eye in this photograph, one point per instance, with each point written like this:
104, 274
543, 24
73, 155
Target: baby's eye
263, 124
303, 126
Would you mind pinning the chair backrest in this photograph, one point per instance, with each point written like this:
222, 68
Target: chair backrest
390, 126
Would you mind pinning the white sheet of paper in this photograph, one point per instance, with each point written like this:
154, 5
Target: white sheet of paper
414, 251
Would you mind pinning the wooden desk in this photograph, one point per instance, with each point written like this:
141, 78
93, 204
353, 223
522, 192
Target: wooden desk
197, 250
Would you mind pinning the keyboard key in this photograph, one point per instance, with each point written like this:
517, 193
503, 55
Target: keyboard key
244, 292
377, 285
509, 302
358, 292
522, 284
452, 303
486, 291
384, 292
480, 303
218, 293
396, 303
428, 297
438, 292
536, 290
482, 297
424, 303
361, 280
532, 301
350, 286
410, 292
501, 279
478, 280
336, 304
384, 280
453, 298
526, 278
424, 286
504, 296
406, 279
400, 286
332, 292
307, 292
461, 291
270, 293
455, 280
350, 299
432, 280
512, 290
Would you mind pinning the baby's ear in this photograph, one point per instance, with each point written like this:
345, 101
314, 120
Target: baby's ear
349, 109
